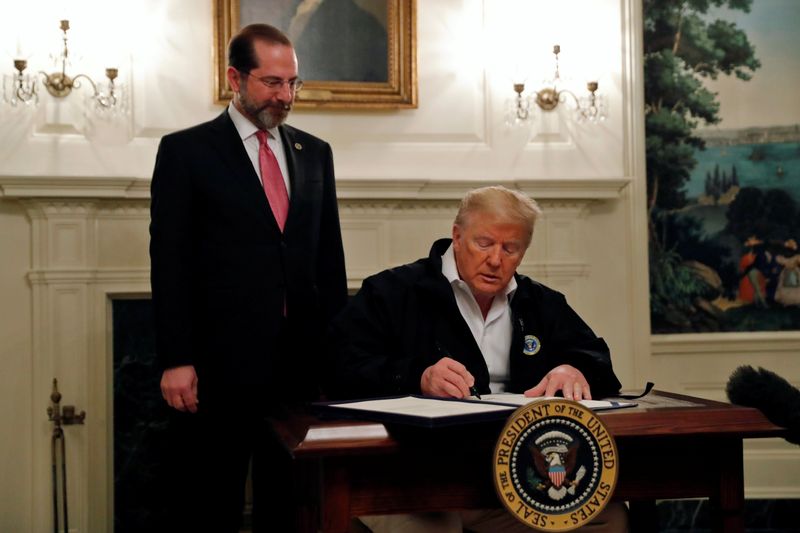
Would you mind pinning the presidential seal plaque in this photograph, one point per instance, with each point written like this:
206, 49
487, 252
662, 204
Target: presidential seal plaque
555, 465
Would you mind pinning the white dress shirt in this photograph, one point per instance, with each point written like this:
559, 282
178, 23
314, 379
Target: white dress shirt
247, 132
493, 335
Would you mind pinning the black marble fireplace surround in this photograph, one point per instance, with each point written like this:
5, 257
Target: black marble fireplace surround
139, 433
140, 419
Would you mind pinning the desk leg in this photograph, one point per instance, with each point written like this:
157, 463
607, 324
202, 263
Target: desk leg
307, 478
324, 486
643, 516
335, 504
727, 505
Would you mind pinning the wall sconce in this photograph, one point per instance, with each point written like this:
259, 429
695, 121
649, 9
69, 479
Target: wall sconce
22, 89
588, 108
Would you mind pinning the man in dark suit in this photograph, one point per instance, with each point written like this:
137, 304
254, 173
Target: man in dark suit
247, 270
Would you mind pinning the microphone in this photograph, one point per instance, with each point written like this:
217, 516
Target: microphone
778, 399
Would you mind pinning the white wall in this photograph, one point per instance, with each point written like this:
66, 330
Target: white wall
16, 387
73, 211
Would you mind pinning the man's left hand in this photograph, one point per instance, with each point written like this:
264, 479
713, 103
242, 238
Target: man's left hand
565, 378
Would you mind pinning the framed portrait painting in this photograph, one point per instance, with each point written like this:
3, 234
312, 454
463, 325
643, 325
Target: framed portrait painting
351, 53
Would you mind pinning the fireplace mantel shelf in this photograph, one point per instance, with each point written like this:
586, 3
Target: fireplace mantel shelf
82, 187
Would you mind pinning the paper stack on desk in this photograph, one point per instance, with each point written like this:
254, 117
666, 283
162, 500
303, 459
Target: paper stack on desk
437, 412
521, 399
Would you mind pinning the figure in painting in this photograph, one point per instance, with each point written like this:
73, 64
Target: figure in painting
753, 283
788, 291
768, 265
359, 29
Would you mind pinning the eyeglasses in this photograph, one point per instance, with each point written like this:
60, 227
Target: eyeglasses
275, 84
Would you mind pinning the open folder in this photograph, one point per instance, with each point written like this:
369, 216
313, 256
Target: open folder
439, 412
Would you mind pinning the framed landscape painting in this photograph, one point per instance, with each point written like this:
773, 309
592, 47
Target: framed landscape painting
351, 53
723, 164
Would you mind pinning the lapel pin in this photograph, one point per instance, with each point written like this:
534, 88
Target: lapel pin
298, 146
531, 345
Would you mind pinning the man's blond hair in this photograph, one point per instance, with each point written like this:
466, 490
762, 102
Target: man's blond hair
506, 205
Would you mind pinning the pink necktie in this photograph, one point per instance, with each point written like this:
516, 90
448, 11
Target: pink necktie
271, 176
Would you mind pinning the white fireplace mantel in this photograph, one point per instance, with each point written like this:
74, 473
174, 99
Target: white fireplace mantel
347, 188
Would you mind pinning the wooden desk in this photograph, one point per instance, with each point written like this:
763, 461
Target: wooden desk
664, 453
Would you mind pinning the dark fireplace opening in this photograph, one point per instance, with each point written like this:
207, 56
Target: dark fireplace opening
140, 423
140, 419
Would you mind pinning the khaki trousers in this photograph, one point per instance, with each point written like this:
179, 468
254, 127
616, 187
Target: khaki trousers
613, 519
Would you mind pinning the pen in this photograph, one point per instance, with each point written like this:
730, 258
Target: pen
472, 390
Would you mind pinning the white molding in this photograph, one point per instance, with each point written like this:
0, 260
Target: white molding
787, 492
563, 270
106, 275
773, 455
771, 467
73, 187
760, 343
636, 195
385, 188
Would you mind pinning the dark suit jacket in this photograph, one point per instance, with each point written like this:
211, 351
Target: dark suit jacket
221, 269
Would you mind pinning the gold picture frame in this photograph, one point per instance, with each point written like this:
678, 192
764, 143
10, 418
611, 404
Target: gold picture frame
399, 90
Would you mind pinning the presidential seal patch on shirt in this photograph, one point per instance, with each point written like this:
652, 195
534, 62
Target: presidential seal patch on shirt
555, 465
531, 345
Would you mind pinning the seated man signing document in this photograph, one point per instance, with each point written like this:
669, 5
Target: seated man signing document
463, 318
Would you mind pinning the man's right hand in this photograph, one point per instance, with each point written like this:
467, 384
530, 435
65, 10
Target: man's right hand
179, 388
447, 378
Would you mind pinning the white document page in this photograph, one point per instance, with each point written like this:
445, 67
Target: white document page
423, 407
367, 431
521, 399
